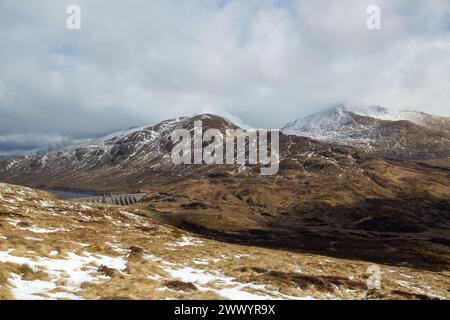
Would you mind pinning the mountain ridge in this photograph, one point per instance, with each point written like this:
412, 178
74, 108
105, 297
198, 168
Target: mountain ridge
337, 200
321, 125
378, 130
340, 112
144, 152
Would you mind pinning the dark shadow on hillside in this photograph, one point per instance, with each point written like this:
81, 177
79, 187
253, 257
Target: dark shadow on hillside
413, 233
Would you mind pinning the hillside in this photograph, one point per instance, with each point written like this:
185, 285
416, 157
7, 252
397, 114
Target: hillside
122, 161
378, 130
53, 249
359, 199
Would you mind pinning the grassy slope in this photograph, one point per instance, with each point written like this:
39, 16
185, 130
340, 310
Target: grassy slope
160, 261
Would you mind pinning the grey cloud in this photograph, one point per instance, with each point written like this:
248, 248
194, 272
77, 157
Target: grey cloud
137, 62
30, 141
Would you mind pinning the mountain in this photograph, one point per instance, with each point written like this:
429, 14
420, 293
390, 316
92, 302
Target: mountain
401, 134
135, 158
131, 157
337, 117
336, 199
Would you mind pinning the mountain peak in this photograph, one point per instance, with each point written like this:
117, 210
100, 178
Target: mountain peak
377, 129
340, 116
232, 119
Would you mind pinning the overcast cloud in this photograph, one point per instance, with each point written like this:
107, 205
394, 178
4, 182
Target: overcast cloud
266, 61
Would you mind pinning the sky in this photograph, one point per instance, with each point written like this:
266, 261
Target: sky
137, 62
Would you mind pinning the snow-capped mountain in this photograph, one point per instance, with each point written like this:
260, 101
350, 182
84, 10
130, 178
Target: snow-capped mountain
149, 131
134, 153
335, 119
104, 142
141, 156
375, 128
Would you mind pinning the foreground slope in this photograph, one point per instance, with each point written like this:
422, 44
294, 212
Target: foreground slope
52, 249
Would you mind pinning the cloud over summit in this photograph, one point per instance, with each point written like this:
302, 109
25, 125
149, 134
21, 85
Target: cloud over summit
137, 62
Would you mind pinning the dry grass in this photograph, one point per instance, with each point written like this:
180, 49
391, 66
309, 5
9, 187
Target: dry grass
4, 276
178, 285
35, 275
5, 294
151, 249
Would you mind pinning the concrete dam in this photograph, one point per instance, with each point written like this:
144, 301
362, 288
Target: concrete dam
119, 200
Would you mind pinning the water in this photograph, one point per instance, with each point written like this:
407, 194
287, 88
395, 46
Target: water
69, 194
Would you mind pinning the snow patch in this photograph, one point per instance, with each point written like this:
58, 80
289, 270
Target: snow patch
75, 269
33, 239
226, 287
37, 290
40, 230
186, 241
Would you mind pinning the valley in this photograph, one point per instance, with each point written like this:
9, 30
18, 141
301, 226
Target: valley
355, 187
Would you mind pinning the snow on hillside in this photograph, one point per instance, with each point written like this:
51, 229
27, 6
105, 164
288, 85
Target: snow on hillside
118, 254
382, 113
235, 120
105, 142
164, 126
365, 127
322, 124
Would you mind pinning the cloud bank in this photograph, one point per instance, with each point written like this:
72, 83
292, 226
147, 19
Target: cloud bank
268, 61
